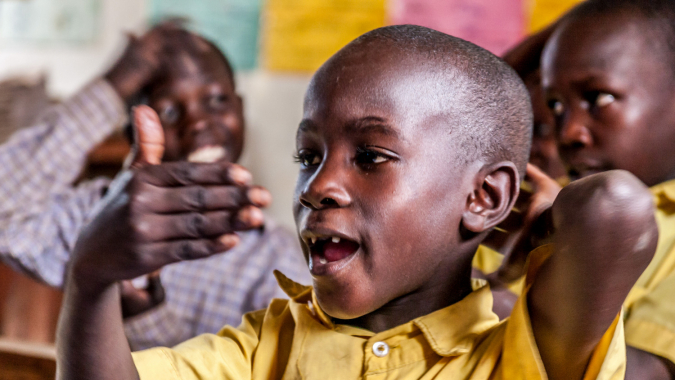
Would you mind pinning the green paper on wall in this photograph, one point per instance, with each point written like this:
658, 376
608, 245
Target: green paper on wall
231, 24
49, 21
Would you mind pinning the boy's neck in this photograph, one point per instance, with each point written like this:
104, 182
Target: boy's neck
448, 287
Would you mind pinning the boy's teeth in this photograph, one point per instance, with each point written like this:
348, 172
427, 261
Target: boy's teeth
323, 260
335, 239
207, 154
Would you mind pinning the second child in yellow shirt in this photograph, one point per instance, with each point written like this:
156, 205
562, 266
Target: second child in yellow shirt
607, 71
412, 147
608, 76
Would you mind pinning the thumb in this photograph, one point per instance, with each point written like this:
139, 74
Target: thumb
537, 176
149, 144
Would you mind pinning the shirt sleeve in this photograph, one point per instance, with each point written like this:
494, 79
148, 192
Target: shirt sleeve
161, 326
41, 212
521, 358
650, 325
226, 355
47, 157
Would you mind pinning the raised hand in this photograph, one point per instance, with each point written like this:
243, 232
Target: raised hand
141, 60
156, 214
527, 226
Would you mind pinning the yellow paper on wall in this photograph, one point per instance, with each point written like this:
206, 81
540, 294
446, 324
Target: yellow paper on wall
300, 35
544, 12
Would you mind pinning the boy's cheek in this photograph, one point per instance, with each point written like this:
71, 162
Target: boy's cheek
172, 150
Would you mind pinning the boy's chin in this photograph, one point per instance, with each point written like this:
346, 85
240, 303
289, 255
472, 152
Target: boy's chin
345, 306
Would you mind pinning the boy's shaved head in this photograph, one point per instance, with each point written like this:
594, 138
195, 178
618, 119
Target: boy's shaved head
660, 15
410, 147
486, 104
187, 51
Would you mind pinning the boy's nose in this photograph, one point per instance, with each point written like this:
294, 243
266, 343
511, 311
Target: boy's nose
325, 190
198, 125
575, 133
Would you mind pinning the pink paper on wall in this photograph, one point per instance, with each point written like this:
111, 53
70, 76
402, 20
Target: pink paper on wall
495, 25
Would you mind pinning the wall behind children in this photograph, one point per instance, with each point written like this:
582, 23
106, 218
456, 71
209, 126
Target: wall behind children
274, 45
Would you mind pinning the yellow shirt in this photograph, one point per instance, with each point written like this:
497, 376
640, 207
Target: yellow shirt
650, 306
296, 340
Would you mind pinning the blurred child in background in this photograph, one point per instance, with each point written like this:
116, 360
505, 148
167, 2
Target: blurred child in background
190, 84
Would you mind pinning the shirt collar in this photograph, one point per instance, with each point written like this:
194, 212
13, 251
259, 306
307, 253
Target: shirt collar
302, 294
453, 330
449, 331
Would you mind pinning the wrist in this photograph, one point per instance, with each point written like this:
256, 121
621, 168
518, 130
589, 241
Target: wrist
87, 281
125, 86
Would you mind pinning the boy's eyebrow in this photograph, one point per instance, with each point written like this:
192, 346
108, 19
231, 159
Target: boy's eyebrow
372, 124
368, 124
306, 126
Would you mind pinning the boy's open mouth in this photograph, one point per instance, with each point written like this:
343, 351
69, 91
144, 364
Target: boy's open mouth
207, 154
325, 251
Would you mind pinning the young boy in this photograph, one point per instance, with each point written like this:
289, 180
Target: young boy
412, 147
609, 79
188, 81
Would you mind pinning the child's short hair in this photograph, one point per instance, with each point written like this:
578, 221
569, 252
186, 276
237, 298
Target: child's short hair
496, 118
659, 13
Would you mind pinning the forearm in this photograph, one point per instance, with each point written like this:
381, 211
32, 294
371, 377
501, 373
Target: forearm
90, 339
605, 236
642, 365
525, 57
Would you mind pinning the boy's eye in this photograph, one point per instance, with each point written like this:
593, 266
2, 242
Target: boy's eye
556, 107
217, 101
369, 157
543, 130
604, 99
307, 159
169, 115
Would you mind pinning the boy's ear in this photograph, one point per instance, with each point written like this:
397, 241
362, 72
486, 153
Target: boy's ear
494, 195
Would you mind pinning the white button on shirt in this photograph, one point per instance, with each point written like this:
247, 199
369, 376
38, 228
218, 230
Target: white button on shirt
380, 349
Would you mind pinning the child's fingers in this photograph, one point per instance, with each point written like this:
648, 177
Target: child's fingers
155, 288
155, 227
496, 239
514, 221
168, 252
523, 200
149, 137
503, 242
202, 198
537, 176
185, 173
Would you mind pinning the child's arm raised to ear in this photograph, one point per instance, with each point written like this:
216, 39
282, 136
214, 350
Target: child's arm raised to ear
525, 57
156, 215
604, 236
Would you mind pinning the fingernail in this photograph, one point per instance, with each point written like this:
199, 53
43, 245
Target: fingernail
260, 197
240, 175
229, 240
250, 217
